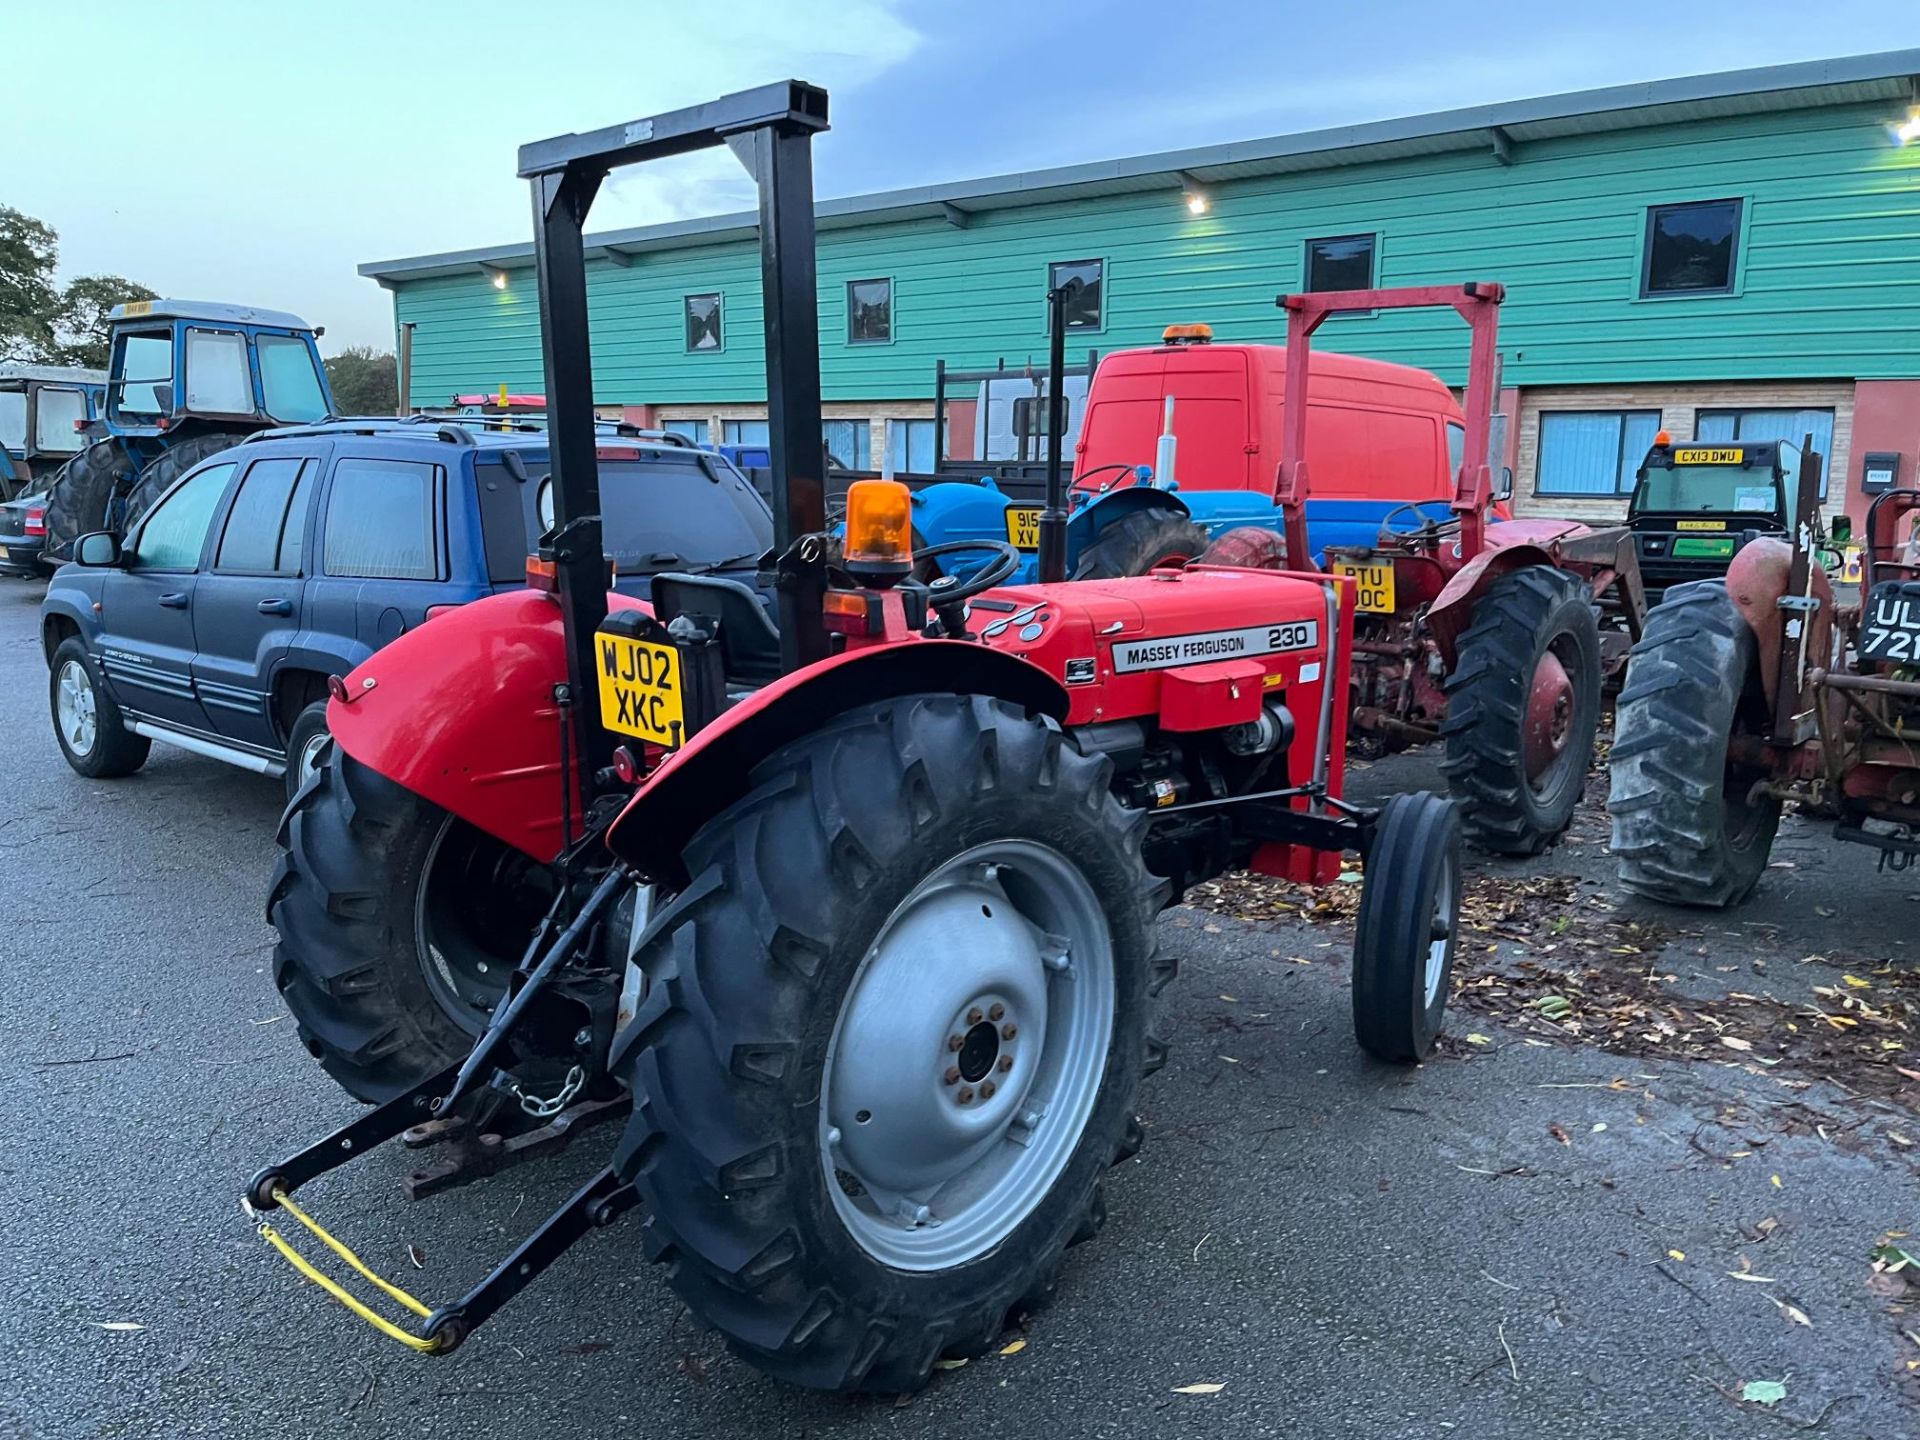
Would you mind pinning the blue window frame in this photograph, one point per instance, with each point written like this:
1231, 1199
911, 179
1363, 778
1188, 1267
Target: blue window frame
1727, 426
1592, 452
849, 442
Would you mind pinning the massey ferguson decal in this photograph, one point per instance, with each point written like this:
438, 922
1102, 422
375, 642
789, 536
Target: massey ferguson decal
1166, 651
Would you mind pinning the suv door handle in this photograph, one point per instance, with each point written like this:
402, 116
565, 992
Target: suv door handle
275, 607
175, 601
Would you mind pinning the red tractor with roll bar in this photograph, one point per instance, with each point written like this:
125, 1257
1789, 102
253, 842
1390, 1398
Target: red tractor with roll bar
851, 917
1758, 689
1484, 635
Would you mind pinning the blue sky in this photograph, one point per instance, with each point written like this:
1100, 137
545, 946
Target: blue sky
258, 153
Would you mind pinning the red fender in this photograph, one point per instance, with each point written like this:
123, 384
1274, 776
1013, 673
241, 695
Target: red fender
715, 768
460, 712
1511, 546
1756, 580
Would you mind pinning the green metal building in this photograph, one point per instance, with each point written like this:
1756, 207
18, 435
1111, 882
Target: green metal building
1725, 256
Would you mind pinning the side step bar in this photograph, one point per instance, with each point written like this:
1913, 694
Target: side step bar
212, 749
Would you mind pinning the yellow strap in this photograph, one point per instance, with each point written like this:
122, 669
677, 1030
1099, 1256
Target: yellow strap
335, 1289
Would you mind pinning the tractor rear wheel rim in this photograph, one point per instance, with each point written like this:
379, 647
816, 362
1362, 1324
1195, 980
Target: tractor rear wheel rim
477, 901
1549, 722
969, 1052
79, 718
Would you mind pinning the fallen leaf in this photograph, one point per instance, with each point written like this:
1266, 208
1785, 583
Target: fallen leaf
417, 1256
1776, 1182
1478, 1040
1559, 1134
1676, 1254
954, 1364
1734, 1042
1857, 983
1824, 912
1764, 1392
1757, 1279
119, 1325
1791, 1311
1203, 1389
1599, 1125
1014, 1348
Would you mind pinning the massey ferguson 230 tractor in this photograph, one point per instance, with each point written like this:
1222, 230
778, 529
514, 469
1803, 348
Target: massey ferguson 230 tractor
1486, 635
1757, 689
852, 917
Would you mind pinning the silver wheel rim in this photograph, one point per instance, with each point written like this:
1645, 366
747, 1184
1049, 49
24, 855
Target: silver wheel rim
968, 1055
75, 708
309, 758
1446, 905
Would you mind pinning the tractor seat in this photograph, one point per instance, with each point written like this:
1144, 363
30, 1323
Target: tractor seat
749, 645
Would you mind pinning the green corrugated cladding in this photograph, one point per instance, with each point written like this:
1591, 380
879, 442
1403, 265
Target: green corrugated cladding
1828, 272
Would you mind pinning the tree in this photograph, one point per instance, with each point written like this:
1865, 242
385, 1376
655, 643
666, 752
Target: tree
363, 381
28, 252
80, 323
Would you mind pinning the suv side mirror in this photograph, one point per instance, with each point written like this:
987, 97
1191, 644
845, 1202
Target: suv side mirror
98, 548
1503, 484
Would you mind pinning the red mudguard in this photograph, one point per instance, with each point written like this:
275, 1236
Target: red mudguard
461, 712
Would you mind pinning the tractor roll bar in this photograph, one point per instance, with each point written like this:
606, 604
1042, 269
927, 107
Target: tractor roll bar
1478, 302
770, 131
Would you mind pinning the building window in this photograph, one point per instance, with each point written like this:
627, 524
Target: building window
1690, 248
869, 312
1083, 310
745, 432
691, 430
703, 322
1340, 262
1719, 427
849, 443
1593, 452
910, 446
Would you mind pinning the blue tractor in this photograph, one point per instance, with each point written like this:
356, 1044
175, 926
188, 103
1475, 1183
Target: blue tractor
186, 379
43, 409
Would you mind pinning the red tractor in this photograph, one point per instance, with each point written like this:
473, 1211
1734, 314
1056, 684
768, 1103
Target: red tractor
851, 916
1756, 690
1487, 636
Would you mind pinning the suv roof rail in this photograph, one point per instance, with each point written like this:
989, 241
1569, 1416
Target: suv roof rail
444, 430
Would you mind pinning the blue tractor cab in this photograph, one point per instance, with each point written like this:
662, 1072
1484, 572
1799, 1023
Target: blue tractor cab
186, 378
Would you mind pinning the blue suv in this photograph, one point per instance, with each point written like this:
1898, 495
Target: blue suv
290, 558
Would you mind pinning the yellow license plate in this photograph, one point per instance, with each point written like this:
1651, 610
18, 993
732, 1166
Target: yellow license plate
1699, 524
1023, 527
1373, 585
640, 689
1733, 456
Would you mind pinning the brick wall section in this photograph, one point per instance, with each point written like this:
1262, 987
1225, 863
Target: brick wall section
1676, 404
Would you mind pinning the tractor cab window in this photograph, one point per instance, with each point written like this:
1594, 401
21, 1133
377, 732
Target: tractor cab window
1718, 488
145, 384
55, 413
289, 378
218, 381
13, 420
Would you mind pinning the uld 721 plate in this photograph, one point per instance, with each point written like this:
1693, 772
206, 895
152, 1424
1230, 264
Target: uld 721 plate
1890, 624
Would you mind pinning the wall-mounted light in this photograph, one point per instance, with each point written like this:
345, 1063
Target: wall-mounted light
496, 275
1908, 131
1196, 196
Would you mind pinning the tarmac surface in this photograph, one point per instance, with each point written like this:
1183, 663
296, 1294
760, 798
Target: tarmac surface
1521, 1238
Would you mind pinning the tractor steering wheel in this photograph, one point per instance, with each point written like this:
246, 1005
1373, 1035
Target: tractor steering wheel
1389, 536
947, 595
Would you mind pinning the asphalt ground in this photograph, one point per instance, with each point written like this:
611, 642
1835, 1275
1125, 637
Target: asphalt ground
1521, 1238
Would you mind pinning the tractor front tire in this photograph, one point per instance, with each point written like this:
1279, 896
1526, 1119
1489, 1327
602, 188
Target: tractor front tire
80, 497
1404, 940
398, 923
1137, 543
170, 464
1684, 828
895, 1025
1523, 703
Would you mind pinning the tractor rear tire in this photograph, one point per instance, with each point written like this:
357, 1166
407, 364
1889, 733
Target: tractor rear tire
1684, 830
1532, 627
399, 926
169, 465
860, 935
82, 494
1404, 940
1137, 543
